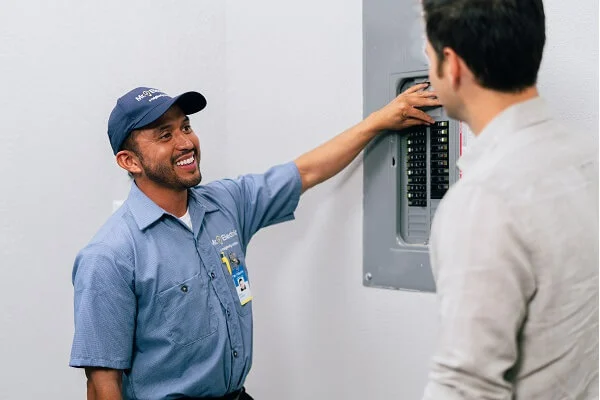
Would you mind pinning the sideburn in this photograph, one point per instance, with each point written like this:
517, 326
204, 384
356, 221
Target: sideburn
440, 65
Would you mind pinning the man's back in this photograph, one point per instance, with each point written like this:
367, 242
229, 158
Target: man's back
539, 183
551, 182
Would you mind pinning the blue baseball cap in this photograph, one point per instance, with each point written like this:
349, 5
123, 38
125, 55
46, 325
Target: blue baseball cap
142, 106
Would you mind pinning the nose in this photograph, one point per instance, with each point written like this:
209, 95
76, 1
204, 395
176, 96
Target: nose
184, 142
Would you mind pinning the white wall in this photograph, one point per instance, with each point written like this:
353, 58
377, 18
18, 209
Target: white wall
280, 77
62, 66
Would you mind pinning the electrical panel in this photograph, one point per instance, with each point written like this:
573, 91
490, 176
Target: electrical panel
406, 173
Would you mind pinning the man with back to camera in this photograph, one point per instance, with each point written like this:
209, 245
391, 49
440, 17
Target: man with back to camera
157, 313
514, 244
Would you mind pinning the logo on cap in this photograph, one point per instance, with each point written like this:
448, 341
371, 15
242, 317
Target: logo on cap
155, 93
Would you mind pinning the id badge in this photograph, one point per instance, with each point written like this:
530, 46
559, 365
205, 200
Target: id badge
240, 278
242, 286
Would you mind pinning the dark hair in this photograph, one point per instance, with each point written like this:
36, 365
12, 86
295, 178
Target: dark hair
131, 145
501, 41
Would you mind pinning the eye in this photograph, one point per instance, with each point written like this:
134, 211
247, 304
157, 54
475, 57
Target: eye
165, 136
186, 128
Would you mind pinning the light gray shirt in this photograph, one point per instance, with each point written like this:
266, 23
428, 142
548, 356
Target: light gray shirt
514, 250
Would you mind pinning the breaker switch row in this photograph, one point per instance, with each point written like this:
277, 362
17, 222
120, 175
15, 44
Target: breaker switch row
416, 157
416, 167
439, 150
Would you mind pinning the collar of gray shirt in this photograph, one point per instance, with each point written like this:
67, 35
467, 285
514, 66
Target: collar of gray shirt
509, 122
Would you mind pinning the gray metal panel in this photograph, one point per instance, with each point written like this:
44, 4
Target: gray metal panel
392, 43
395, 233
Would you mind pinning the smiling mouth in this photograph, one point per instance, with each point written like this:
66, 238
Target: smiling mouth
186, 161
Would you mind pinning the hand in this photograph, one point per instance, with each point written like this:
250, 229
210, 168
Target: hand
401, 113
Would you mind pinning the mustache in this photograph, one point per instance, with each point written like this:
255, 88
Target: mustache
193, 152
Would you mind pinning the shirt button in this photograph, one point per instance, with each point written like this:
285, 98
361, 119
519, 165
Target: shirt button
235, 354
184, 288
228, 313
213, 275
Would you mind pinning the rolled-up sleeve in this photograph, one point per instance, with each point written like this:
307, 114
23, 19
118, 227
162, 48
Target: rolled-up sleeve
105, 310
484, 282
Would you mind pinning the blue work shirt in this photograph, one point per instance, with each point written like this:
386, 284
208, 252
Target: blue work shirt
154, 299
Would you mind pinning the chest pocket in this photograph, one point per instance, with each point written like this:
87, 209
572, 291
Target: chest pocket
186, 307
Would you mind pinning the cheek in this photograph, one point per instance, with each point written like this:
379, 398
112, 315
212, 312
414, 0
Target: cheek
433, 78
196, 143
438, 86
433, 72
157, 156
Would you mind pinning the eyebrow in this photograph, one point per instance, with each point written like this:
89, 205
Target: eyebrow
163, 127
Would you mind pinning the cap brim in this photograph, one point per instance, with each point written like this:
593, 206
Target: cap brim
189, 102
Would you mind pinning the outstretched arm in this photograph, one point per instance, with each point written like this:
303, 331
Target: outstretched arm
327, 160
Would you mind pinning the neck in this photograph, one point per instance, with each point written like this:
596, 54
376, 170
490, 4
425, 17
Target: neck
171, 200
484, 105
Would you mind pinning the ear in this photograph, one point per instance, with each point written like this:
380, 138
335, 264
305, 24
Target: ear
454, 66
129, 161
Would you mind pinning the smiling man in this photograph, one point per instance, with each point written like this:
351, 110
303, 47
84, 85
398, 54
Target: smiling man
163, 303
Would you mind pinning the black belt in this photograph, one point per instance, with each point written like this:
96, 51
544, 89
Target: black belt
237, 395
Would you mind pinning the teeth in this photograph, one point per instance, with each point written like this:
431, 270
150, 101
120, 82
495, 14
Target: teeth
186, 161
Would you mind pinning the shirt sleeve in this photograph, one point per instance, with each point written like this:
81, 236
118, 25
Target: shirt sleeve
484, 283
265, 199
105, 307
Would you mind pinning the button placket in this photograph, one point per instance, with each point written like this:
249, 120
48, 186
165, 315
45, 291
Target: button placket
212, 264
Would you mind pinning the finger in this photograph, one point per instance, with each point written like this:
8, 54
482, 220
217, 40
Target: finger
416, 88
424, 102
410, 122
427, 93
418, 114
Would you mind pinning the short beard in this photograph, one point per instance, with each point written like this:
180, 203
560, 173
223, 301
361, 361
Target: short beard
166, 177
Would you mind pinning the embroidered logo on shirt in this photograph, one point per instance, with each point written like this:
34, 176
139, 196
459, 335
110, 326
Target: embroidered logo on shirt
220, 239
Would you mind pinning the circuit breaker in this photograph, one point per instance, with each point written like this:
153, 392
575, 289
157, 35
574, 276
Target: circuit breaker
406, 173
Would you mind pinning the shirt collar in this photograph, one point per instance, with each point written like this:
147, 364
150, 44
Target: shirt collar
510, 121
146, 212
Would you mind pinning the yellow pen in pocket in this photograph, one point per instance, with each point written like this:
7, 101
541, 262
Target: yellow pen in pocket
225, 261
